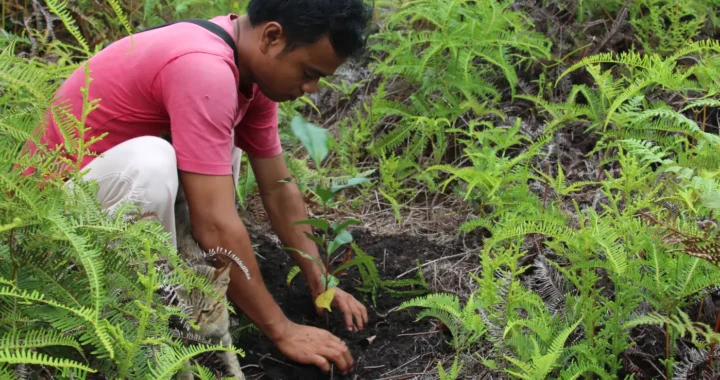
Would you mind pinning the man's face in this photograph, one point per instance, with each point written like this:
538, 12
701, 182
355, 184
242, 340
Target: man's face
287, 75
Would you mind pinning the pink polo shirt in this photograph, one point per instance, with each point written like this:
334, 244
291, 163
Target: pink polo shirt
180, 78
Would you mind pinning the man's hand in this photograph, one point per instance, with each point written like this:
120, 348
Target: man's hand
216, 223
310, 345
349, 306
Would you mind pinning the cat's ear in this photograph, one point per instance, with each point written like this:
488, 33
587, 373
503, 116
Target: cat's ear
181, 292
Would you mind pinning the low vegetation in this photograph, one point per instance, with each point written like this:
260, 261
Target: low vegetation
575, 145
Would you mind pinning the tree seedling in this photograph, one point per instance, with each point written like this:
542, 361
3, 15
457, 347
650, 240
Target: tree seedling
333, 235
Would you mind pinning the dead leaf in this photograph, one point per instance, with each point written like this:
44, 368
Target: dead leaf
325, 299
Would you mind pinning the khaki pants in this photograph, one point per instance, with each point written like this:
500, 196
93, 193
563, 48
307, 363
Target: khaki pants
143, 170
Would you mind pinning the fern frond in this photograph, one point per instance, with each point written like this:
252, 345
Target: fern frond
120, 16
646, 151
705, 45
30, 76
14, 340
294, 271
58, 7
627, 58
681, 323
26, 356
454, 370
393, 139
474, 224
89, 257
86, 314
171, 360
701, 103
667, 119
551, 229
580, 370
445, 302
13, 123
548, 282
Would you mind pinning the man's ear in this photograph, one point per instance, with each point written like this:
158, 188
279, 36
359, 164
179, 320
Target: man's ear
272, 37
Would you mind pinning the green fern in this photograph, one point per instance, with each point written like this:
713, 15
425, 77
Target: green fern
58, 7
450, 52
623, 103
464, 323
171, 360
559, 184
454, 370
78, 287
120, 16
294, 271
26, 356
543, 362
14, 340
372, 283
663, 27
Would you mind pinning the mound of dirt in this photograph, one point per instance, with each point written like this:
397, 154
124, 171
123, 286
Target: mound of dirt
400, 346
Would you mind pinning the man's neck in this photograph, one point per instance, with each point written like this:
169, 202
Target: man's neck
242, 36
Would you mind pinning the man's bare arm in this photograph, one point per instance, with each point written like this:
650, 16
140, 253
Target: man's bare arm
284, 204
216, 224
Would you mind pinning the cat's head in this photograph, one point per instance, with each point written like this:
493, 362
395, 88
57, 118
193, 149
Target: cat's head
204, 307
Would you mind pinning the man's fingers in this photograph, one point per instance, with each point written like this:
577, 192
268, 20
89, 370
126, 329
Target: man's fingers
340, 355
359, 317
341, 348
366, 320
321, 362
347, 356
348, 312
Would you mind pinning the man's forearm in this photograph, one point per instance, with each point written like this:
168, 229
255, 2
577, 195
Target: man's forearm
285, 206
250, 295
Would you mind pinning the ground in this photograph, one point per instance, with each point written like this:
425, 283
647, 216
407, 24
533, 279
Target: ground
400, 347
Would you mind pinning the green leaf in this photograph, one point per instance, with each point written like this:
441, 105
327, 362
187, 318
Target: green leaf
331, 283
351, 182
367, 260
319, 223
324, 194
314, 138
286, 180
337, 227
317, 240
305, 255
343, 237
15, 223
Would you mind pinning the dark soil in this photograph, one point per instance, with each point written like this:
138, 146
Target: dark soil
393, 351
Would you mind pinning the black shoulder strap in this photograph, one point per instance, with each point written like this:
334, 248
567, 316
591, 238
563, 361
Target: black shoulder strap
219, 31
209, 25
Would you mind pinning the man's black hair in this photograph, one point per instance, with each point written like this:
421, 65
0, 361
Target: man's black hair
306, 21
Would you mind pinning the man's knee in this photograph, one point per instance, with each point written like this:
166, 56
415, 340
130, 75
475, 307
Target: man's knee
155, 163
144, 166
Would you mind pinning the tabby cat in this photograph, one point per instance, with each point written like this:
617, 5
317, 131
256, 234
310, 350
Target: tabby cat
211, 316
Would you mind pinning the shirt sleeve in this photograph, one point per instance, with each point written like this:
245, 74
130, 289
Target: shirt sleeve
257, 133
200, 95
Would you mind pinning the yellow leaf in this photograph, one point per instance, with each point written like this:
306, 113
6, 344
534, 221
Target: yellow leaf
325, 299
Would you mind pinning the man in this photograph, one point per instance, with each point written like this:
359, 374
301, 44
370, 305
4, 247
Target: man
183, 79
